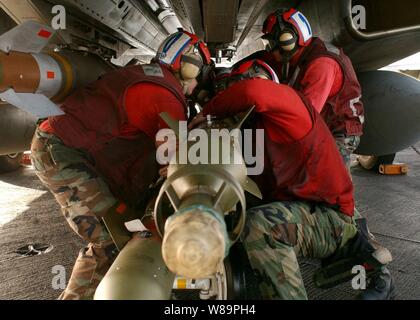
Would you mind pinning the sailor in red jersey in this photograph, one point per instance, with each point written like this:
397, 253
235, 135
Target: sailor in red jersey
305, 182
99, 158
320, 71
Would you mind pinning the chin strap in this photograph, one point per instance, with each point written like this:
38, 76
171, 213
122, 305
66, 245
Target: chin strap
285, 69
287, 57
285, 73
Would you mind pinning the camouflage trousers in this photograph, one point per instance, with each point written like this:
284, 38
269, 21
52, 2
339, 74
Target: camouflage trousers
347, 145
277, 234
84, 198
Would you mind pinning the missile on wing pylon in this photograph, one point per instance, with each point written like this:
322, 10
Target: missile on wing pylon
196, 239
35, 81
54, 75
138, 273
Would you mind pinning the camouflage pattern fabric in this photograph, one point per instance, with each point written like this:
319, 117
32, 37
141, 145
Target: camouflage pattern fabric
277, 233
84, 199
347, 146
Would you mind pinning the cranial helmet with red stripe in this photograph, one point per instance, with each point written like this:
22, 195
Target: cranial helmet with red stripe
254, 69
246, 70
186, 54
287, 30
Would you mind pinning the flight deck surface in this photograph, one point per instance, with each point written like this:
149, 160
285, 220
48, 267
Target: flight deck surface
29, 214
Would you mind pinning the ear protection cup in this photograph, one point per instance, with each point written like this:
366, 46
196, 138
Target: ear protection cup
287, 37
185, 54
288, 41
191, 66
189, 71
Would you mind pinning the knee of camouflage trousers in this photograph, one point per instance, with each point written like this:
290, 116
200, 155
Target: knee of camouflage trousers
91, 266
84, 199
277, 234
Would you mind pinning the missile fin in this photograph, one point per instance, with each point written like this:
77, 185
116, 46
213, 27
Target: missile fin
242, 120
36, 104
170, 122
116, 228
251, 187
28, 37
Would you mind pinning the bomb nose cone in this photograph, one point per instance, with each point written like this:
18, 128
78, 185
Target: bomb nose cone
190, 253
194, 244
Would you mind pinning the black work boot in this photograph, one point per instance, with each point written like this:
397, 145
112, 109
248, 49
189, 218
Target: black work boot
361, 250
381, 286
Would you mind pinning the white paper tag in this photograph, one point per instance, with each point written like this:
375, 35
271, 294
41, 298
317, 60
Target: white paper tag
135, 226
152, 70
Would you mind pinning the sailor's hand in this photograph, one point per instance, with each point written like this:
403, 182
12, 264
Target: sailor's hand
200, 118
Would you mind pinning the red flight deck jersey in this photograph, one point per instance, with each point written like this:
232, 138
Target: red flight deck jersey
115, 120
322, 80
300, 152
143, 103
325, 76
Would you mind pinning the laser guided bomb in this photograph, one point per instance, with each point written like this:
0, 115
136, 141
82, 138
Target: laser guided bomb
35, 81
196, 238
198, 214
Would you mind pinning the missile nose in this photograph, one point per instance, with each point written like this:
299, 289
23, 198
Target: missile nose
194, 244
191, 252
